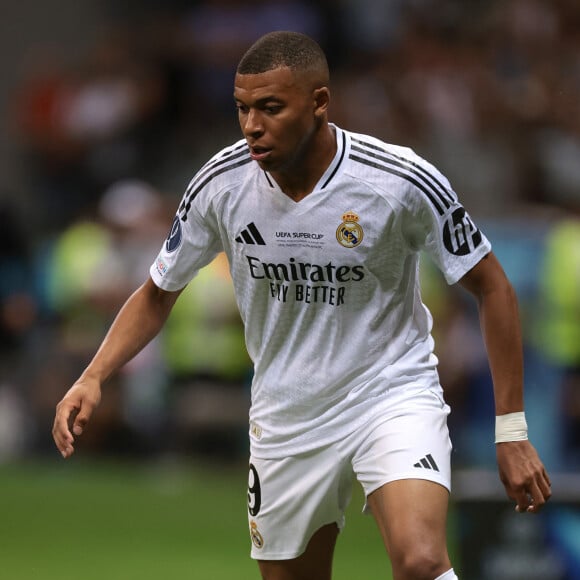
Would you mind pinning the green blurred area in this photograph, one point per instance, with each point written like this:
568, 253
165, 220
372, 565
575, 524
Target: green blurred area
176, 519
91, 520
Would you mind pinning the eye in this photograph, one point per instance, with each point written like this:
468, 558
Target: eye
242, 108
273, 109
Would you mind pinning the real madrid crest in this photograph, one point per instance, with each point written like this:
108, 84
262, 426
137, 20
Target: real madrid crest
257, 538
349, 233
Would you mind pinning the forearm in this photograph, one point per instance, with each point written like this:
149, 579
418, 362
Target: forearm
500, 327
137, 323
521, 471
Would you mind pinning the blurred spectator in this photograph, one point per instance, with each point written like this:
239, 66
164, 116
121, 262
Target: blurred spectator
209, 368
84, 128
94, 266
97, 262
204, 336
558, 328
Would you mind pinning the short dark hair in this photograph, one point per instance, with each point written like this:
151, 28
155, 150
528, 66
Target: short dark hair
284, 49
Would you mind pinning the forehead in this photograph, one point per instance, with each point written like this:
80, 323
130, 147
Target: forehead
276, 83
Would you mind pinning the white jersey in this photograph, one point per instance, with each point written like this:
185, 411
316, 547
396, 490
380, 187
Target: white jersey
327, 287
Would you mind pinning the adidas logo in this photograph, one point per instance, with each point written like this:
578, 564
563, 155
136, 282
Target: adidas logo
427, 462
251, 235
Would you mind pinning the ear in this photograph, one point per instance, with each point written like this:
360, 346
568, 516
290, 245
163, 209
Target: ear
321, 100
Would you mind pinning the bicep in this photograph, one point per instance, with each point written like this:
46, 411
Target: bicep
485, 277
159, 299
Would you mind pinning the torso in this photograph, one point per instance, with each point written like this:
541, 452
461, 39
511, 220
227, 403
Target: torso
328, 287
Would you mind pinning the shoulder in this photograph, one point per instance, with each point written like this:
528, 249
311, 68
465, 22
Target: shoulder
400, 170
364, 143
229, 166
388, 157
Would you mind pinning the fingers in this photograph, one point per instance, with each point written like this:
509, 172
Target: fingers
523, 475
540, 492
61, 434
544, 486
72, 415
533, 496
522, 501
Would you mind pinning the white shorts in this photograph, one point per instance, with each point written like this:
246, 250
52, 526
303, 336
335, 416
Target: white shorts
291, 498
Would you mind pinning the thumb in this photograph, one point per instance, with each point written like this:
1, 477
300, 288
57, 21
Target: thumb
82, 418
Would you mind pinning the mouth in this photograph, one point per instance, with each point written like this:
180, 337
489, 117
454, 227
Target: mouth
259, 153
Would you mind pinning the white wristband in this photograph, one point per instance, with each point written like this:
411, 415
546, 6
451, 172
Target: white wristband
511, 427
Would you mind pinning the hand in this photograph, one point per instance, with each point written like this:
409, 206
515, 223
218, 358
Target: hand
523, 475
73, 413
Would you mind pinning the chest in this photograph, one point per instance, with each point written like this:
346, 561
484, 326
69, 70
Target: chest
333, 247
338, 227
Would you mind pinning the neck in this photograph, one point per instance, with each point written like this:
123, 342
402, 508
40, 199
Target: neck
299, 180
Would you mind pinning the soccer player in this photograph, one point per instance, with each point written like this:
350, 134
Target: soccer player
323, 229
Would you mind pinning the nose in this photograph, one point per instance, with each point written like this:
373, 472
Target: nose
252, 124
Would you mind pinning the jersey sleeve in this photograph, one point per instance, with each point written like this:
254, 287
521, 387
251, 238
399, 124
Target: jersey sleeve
192, 243
438, 224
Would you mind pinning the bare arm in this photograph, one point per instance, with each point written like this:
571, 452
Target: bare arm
137, 323
520, 468
499, 320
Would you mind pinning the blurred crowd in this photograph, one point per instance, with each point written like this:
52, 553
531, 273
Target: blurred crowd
486, 90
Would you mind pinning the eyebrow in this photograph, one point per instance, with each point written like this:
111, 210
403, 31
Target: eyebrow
262, 100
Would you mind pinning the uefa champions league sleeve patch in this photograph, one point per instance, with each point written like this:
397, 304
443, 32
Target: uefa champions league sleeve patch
175, 235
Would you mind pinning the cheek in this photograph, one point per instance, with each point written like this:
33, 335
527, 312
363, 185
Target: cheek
298, 128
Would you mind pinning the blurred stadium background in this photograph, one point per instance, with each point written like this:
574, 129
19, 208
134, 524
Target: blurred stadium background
107, 109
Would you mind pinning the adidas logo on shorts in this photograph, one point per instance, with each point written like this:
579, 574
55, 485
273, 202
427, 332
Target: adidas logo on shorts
427, 462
